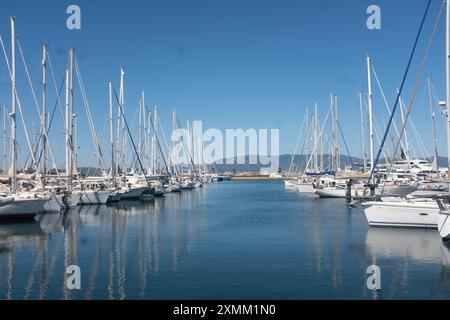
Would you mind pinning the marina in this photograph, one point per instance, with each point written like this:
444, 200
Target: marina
111, 190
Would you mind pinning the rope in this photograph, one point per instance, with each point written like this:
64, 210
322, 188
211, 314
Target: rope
419, 79
20, 108
346, 146
400, 91
129, 132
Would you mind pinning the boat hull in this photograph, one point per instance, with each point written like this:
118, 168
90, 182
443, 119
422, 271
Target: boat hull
133, 194
444, 226
94, 197
55, 204
339, 193
22, 209
402, 215
72, 199
305, 188
114, 197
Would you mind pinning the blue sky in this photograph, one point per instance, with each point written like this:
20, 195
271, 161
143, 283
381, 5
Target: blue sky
232, 64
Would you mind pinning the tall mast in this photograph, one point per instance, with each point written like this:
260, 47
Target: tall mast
72, 146
4, 139
44, 111
363, 129
68, 155
13, 107
144, 124
155, 141
433, 118
369, 84
118, 141
448, 82
150, 143
174, 128
336, 134
333, 134
308, 135
75, 142
316, 137
111, 134
140, 129
402, 113
124, 134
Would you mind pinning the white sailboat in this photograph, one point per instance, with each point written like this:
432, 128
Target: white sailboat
406, 213
444, 216
16, 204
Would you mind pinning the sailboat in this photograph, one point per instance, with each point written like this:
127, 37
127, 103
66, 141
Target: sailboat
17, 204
420, 210
444, 215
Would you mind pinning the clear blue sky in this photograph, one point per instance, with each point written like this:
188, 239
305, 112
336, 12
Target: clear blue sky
232, 64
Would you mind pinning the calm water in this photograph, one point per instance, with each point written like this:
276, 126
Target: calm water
235, 240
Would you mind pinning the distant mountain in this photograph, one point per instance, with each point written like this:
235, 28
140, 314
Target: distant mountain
284, 163
300, 161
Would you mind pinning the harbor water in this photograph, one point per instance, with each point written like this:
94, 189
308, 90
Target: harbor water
232, 240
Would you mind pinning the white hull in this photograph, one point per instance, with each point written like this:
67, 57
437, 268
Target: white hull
198, 185
73, 199
55, 204
114, 197
188, 186
158, 192
291, 185
133, 194
332, 193
402, 214
94, 197
444, 225
397, 191
306, 188
21, 208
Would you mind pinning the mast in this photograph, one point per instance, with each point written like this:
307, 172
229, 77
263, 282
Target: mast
308, 137
174, 131
72, 146
140, 128
13, 107
111, 134
150, 143
68, 157
369, 84
4, 138
144, 124
363, 136
44, 111
316, 137
155, 128
448, 82
433, 123
75, 142
333, 134
402, 113
124, 134
119, 120
336, 134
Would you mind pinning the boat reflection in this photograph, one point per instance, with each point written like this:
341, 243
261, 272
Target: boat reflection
422, 246
117, 247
